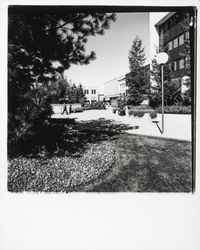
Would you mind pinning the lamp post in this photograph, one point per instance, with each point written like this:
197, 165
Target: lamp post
161, 59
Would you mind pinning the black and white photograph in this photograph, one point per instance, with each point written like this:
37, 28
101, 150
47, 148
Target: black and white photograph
101, 99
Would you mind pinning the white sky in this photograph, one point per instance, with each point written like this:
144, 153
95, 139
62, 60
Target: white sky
154, 17
112, 48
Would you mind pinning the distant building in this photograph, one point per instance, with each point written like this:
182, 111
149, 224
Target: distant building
173, 34
93, 94
115, 88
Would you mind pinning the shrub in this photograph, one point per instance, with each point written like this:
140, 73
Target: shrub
115, 109
78, 109
175, 109
138, 114
96, 105
122, 112
153, 115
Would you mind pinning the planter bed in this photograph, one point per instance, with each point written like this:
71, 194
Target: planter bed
60, 174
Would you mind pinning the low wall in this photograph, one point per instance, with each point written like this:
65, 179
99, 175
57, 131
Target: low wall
58, 108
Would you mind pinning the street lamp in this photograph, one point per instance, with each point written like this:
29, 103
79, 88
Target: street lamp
161, 59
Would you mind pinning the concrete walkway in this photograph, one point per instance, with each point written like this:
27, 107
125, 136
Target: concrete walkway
176, 126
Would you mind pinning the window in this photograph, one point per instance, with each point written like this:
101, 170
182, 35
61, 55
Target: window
166, 27
170, 45
181, 39
93, 91
86, 91
161, 31
181, 63
187, 35
175, 42
175, 66
170, 23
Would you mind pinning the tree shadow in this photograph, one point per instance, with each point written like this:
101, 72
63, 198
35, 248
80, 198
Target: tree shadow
64, 139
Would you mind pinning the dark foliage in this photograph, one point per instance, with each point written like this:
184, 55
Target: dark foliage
175, 109
137, 80
172, 88
36, 40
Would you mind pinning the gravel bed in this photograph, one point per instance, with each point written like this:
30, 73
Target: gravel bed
60, 174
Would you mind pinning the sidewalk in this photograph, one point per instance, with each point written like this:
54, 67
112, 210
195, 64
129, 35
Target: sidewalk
175, 126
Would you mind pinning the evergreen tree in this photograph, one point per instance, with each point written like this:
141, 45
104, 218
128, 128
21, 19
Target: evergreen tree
172, 89
137, 80
38, 37
80, 94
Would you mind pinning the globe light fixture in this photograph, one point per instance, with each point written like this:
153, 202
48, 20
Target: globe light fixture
161, 59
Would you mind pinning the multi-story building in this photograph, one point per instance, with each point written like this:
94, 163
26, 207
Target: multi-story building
173, 34
115, 88
92, 94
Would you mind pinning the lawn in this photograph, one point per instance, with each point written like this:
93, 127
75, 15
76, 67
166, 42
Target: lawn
147, 164
104, 158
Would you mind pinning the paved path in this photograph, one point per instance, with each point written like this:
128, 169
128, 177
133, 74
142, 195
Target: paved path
176, 126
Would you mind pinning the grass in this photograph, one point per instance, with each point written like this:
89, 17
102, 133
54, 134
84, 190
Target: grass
139, 163
147, 164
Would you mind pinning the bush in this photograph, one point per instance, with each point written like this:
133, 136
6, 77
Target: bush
94, 108
96, 105
153, 115
138, 114
122, 112
115, 109
175, 109
78, 109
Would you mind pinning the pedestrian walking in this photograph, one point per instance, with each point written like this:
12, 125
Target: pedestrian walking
65, 109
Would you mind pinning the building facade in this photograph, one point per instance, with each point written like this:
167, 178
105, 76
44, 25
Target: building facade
92, 94
173, 35
115, 88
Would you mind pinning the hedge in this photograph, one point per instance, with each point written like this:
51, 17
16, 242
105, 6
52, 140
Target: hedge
175, 109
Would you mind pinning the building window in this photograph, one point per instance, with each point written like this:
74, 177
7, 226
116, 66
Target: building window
93, 91
175, 42
86, 91
181, 39
166, 27
175, 65
170, 45
187, 35
181, 63
161, 31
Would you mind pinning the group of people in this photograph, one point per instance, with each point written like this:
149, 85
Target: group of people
67, 109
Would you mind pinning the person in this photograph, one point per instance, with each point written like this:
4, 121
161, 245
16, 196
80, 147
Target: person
70, 109
65, 109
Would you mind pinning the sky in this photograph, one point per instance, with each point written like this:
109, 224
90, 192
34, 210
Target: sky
154, 17
112, 50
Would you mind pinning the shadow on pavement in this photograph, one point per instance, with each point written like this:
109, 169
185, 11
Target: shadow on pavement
64, 139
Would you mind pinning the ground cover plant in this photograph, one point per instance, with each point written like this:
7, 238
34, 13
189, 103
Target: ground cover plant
59, 174
106, 159
66, 157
